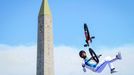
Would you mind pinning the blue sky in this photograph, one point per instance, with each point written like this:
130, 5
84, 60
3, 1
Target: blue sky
112, 21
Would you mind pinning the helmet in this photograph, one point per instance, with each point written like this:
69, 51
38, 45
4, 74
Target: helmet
81, 52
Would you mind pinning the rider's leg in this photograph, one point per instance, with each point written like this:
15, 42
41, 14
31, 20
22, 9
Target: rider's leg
102, 65
118, 57
111, 67
108, 60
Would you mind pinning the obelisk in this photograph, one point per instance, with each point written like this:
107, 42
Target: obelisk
45, 60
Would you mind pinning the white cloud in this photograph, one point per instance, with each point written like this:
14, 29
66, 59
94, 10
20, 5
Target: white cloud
17, 60
67, 61
21, 60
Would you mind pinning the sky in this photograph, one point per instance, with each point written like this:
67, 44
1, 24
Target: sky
110, 21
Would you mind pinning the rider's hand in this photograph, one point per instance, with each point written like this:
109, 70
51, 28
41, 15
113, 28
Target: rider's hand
84, 69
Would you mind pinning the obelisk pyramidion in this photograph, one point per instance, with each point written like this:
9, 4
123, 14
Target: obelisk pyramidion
45, 63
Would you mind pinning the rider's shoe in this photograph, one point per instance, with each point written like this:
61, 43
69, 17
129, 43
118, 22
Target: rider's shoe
113, 71
118, 56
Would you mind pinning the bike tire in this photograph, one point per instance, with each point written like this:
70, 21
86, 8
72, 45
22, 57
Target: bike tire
93, 55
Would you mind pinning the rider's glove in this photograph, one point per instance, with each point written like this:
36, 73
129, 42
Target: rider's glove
84, 69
